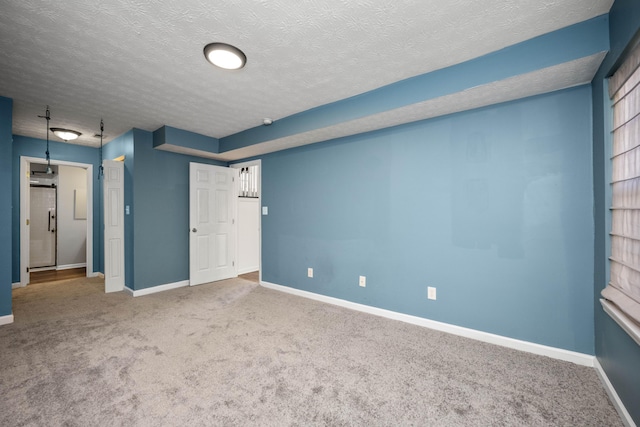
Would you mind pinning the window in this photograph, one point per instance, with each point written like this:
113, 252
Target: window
623, 292
248, 182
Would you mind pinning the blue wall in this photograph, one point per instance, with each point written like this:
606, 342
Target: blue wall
566, 44
6, 106
31, 147
493, 207
618, 354
161, 214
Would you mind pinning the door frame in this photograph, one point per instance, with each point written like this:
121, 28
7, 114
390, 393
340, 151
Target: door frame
25, 162
240, 165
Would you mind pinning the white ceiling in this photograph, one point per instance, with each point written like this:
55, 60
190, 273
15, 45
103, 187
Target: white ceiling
139, 63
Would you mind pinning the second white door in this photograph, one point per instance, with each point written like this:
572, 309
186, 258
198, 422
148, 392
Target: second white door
212, 223
113, 226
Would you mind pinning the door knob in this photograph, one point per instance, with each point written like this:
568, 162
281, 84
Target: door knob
194, 230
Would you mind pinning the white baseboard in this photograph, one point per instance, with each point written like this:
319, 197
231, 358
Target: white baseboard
613, 395
543, 350
96, 274
5, 320
70, 266
16, 285
155, 289
247, 270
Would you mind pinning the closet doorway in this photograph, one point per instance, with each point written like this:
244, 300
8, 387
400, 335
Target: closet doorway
249, 219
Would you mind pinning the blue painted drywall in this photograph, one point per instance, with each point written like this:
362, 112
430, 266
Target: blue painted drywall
493, 207
31, 147
161, 214
617, 353
567, 44
123, 146
168, 135
6, 106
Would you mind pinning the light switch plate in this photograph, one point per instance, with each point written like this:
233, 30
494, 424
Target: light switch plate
265, 210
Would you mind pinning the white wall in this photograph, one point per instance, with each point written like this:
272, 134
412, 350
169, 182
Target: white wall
72, 232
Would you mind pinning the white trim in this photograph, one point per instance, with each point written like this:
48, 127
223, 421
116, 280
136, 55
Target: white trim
543, 350
17, 285
95, 274
155, 289
25, 161
39, 269
613, 395
6, 320
70, 266
621, 319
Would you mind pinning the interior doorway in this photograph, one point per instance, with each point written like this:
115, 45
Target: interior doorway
40, 216
249, 219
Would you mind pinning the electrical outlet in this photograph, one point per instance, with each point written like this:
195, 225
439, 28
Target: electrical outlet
431, 293
309, 272
363, 281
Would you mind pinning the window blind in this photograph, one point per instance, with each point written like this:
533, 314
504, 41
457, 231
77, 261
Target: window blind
623, 289
248, 182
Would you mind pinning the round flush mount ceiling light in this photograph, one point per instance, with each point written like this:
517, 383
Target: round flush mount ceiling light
65, 134
225, 56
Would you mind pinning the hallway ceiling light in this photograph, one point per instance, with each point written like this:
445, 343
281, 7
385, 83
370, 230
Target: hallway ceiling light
65, 134
47, 117
225, 56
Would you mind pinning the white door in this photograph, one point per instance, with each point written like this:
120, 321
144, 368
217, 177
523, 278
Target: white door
42, 244
212, 227
113, 226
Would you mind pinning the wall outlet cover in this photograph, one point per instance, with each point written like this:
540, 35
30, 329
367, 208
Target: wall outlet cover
309, 272
363, 281
431, 293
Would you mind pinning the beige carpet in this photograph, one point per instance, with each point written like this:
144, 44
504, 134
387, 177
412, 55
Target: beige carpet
233, 353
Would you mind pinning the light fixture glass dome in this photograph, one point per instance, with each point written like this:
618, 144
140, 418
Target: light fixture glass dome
65, 134
225, 56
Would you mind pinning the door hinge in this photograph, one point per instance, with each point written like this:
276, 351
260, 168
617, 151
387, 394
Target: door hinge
233, 263
27, 222
27, 269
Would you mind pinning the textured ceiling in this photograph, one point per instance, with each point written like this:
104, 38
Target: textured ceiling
139, 63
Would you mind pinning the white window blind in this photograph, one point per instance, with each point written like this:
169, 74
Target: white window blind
624, 285
249, 182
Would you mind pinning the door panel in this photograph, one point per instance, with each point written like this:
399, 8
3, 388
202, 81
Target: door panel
212, 224
113, 226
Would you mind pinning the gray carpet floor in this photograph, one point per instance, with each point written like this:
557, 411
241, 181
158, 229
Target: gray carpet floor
234, 353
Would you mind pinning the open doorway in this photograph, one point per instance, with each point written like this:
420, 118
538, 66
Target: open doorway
56, 218
249, 220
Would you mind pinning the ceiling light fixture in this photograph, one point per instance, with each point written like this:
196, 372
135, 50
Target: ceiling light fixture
65, 134
225, 56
